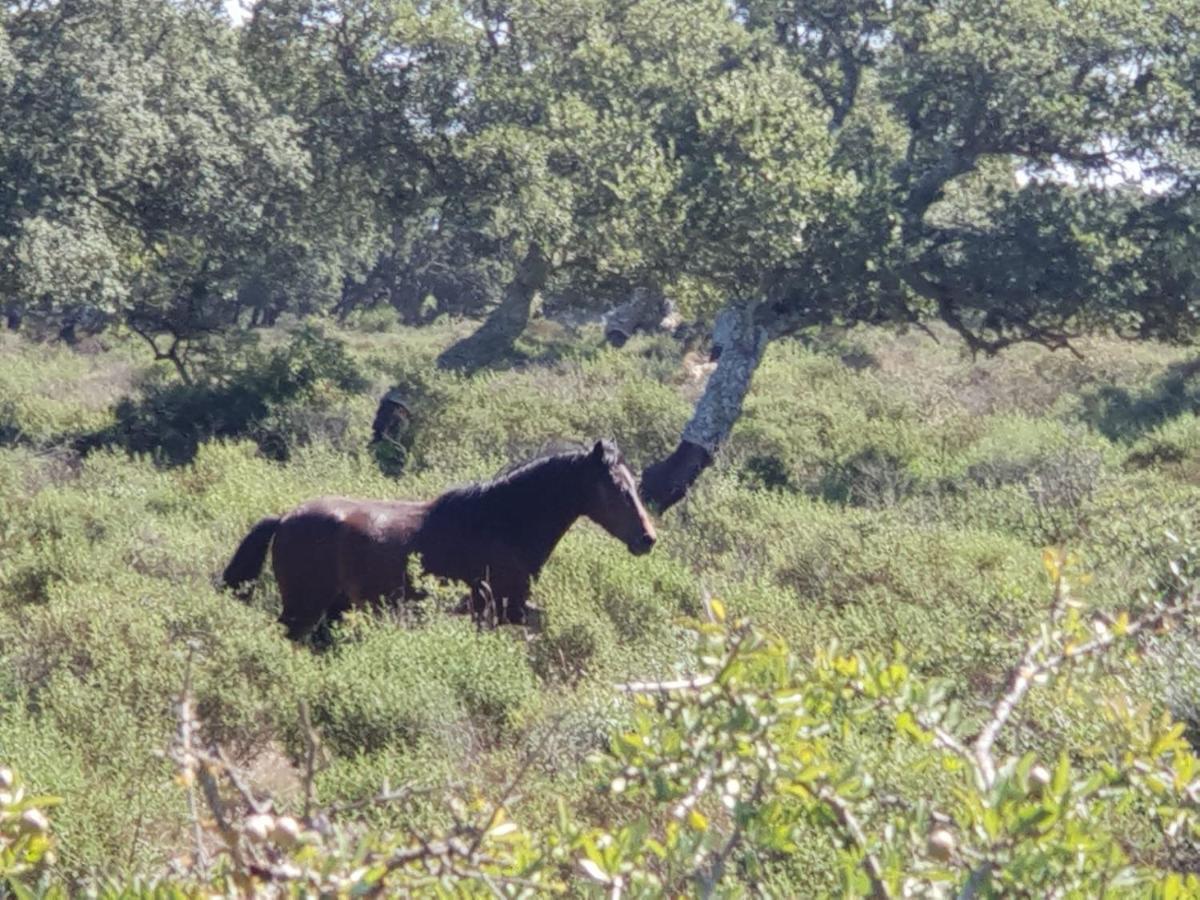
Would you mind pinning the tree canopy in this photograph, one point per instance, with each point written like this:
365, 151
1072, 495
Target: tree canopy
1022, 172
146, 178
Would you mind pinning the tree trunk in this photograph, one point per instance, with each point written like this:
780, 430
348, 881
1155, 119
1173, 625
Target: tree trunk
647, 310
393, 411
507, 322
738, 345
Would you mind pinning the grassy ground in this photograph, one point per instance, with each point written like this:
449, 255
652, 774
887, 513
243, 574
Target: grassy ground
879, 489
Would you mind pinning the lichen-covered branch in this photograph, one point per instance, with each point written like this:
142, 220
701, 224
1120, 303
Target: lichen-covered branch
739, 341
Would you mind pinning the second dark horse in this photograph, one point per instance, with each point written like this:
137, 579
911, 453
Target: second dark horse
335, 553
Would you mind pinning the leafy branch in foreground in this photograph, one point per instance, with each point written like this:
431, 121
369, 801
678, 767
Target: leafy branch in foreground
244, 846
25, 842
739, 762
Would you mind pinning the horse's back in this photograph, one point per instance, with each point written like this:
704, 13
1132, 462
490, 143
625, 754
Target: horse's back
382, 516
356, 549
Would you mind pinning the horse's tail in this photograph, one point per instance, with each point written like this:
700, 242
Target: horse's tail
248, 559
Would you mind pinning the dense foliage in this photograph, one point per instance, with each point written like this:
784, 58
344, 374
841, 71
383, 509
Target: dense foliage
1020, 172
908, 531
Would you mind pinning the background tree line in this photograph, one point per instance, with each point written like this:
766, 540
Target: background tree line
770, 165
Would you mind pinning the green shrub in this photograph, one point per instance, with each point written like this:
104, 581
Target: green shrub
1125, 412
1174, 445
50, 391
441, 682
512, 415
283, 398
758, 761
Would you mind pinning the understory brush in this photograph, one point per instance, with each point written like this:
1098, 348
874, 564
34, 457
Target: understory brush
885, 515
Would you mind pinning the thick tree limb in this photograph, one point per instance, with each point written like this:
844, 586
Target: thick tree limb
645, 310
507, 321
739, 340
949, 312
738, 345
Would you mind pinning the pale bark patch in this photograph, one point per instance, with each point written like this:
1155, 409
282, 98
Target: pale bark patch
739, 344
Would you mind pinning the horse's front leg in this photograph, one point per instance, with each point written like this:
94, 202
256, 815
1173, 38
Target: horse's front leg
516, 607
484, 608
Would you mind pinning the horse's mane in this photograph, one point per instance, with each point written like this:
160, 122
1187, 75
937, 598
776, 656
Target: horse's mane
548, 449
526, 476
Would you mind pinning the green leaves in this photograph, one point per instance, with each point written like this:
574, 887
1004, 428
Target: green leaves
746, 755
758, 175
1000, 140
150, 174
749, 758
852, 161
25, 840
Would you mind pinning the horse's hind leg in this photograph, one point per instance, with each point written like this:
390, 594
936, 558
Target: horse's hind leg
305, 569
305, 606
300, 615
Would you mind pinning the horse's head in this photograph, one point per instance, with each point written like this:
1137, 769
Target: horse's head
614, 504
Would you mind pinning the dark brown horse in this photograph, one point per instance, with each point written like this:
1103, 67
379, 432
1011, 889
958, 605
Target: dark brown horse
334, 553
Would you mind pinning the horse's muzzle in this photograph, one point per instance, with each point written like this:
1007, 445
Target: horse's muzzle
640, 546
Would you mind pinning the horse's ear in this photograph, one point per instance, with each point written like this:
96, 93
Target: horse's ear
604, 452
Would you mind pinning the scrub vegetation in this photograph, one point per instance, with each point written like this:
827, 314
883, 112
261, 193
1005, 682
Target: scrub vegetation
896, 521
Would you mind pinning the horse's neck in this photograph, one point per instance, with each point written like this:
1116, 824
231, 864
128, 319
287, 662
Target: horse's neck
536, 509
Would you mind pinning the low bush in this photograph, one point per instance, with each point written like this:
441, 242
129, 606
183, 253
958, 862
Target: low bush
1173, 446
512, 415
283, 398
756, 759
440, 682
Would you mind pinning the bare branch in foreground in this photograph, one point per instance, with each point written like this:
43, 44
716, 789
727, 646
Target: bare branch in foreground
853, 829
1031, 668
693, 683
